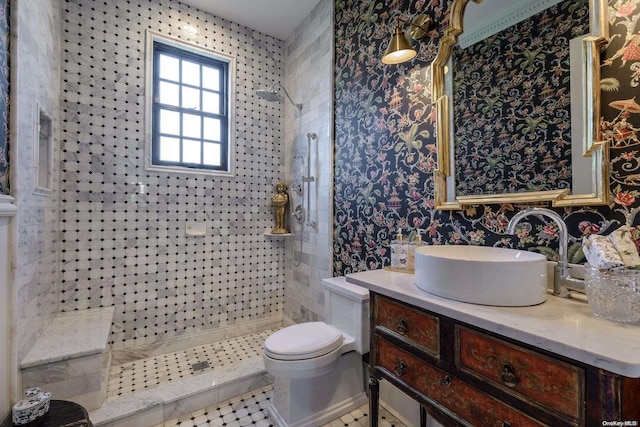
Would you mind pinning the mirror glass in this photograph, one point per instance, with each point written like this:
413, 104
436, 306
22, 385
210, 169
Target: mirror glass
516, 85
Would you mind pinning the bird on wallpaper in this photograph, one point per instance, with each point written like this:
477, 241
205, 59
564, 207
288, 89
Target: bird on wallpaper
410, 138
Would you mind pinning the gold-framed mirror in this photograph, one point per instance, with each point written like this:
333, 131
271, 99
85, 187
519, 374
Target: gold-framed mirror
485, 136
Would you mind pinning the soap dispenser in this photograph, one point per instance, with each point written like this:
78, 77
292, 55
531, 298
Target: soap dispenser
412, 246
399, 252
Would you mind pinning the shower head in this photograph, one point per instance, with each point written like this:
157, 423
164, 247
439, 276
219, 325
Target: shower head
269, 95
272, 95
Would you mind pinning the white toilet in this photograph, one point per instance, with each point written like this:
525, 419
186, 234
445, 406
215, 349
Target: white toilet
317, 367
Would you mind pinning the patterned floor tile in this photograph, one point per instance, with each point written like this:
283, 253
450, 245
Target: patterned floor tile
150, 372
250, 410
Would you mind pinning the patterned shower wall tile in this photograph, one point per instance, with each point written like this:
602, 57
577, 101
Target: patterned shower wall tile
132, 252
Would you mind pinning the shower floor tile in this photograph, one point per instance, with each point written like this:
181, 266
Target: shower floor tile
250, 410
150, 372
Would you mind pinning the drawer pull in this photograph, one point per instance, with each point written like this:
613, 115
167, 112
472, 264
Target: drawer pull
402, 327
508, 375
505, 424
445, 381
401, 368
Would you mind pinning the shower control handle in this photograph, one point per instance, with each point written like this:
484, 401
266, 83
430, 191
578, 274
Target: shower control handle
298, 214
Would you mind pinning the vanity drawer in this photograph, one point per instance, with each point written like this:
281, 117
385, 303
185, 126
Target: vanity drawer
525, 374
418, 328
473, 406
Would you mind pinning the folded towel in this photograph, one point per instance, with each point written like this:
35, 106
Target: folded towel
601, 253
625, 246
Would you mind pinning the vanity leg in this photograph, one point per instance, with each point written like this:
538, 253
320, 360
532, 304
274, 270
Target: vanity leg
374, 390
423, 416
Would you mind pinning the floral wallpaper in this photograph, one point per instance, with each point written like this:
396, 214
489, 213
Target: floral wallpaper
4, 97
502, 132
385, 150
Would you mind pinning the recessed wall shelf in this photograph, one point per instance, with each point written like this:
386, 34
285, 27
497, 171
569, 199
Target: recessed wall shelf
43, 152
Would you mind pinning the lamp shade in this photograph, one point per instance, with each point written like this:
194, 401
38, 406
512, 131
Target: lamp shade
399, 49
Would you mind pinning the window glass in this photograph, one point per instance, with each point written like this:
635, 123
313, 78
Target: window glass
211, 102
211, 154
169, 149
169, 122
190, 73
191, 126
190, 98
210, 78
169, 68
169, 94
191, 151
212, 129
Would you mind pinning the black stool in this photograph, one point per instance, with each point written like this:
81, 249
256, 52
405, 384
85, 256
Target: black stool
62, 413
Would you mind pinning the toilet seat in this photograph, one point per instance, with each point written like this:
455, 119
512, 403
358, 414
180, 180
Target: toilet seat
303, 341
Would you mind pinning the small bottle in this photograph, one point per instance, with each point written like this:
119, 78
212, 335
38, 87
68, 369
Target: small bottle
413, 245
399, 252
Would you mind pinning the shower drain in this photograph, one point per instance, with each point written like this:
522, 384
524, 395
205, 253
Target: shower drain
199, 366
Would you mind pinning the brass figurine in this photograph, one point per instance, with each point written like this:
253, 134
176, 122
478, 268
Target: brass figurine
279, 201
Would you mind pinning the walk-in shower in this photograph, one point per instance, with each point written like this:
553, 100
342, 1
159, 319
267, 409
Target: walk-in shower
273, 95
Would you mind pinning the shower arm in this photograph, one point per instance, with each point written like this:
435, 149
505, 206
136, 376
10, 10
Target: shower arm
279, 86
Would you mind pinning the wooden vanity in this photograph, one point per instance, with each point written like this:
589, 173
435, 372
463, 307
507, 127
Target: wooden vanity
465, 368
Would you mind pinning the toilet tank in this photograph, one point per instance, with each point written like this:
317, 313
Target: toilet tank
346, 307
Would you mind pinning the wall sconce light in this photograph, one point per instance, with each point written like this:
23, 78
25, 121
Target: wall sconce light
399, 49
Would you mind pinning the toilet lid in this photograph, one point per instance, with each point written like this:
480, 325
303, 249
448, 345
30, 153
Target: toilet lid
303, 341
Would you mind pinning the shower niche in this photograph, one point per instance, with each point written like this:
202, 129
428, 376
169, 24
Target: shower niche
43, 152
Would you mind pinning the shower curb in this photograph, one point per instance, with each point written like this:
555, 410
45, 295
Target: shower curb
170, 400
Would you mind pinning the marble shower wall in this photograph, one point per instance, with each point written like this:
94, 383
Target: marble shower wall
132, 252
35, 62
308, 70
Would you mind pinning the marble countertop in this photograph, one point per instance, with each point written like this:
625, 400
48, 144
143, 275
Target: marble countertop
563, 326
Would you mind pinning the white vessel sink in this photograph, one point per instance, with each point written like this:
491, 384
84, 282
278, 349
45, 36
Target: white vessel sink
482, 274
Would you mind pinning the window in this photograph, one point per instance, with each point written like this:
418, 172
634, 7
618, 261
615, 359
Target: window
190, 108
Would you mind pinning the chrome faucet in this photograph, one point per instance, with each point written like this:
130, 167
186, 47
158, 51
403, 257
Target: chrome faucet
563, 281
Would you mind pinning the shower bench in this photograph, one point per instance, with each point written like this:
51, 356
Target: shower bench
71, 358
